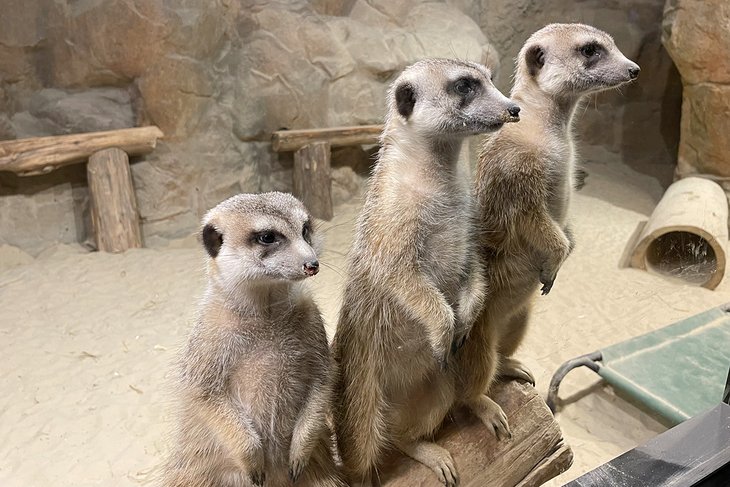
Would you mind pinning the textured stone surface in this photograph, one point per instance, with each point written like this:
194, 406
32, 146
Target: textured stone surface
219, 76
695, 33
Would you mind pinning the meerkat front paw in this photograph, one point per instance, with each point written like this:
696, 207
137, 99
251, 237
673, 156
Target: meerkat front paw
297, 463
257, 478
254, 460
514, 369
441, 339
458, 343
547, 278
492, 415
296, 467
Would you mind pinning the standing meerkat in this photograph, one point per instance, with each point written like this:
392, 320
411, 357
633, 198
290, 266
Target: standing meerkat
524, 183
256, 376
415, 283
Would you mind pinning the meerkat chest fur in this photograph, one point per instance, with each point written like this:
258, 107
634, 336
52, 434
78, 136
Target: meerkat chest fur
421, 182
277, 348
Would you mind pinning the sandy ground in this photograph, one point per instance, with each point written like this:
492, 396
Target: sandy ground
86, 341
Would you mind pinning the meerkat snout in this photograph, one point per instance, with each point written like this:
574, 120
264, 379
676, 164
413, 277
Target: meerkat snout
634, 71
311, 268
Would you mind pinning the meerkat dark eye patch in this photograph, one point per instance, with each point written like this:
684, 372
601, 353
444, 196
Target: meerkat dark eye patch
212, 240
266, 237
307, 232
535, 59
405, 99
591, 52
466, 86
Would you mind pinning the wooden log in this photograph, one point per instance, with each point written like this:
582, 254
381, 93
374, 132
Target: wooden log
685, 236
41, 155
312, 180
535, 453
113, 204
292, 140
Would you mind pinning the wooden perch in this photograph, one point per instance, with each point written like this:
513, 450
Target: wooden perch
41, 155
292, 140
312, 184
113, 205
535, 453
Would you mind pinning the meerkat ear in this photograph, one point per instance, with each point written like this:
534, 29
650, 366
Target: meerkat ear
535, 59
405, 99
212, 240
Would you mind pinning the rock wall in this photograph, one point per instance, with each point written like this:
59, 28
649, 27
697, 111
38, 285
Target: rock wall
697, 37
219, 75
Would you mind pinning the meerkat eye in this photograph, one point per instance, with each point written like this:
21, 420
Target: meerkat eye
465, 86
266, 238
589, 50
306, 231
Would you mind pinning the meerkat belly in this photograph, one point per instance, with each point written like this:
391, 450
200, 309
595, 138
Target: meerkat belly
271, 385
444, 256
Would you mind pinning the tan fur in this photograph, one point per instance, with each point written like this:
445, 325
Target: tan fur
256, 376
415, 282
524, 183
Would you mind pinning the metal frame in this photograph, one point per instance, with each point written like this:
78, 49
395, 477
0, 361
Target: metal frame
589, 360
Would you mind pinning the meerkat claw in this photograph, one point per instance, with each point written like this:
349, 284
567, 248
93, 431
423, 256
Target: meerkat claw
258, 478
457, 344
295, 471
546, 287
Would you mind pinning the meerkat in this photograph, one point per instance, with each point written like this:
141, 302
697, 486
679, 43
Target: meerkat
524, 181
256, 377
415, 283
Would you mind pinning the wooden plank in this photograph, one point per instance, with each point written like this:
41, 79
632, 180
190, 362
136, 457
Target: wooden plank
113, 205
534, 454
312, 180
41, 155
292, 140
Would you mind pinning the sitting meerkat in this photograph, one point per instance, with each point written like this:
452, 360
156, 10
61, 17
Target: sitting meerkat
256, 376
415, 282
524, 182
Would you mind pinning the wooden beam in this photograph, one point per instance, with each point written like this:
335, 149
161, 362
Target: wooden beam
292, 140
113, 205
41, 155
312, 180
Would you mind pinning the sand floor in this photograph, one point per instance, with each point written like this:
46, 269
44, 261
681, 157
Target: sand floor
87, 339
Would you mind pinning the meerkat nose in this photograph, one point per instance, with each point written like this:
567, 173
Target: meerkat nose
634, 72
311, 268
514, 111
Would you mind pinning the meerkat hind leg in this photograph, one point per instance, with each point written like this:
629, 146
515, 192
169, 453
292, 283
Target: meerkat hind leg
511, 368
434, 457
491, 414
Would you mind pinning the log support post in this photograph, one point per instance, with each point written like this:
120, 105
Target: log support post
114, 215
312, 184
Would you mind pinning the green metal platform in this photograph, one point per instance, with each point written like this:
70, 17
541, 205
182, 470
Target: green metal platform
677, 372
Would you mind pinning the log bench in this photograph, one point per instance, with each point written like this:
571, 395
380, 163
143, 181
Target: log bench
311, 179
114, 215
535, 454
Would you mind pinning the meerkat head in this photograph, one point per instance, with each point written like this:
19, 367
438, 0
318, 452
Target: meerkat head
568, 60
260, 237
449, 98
